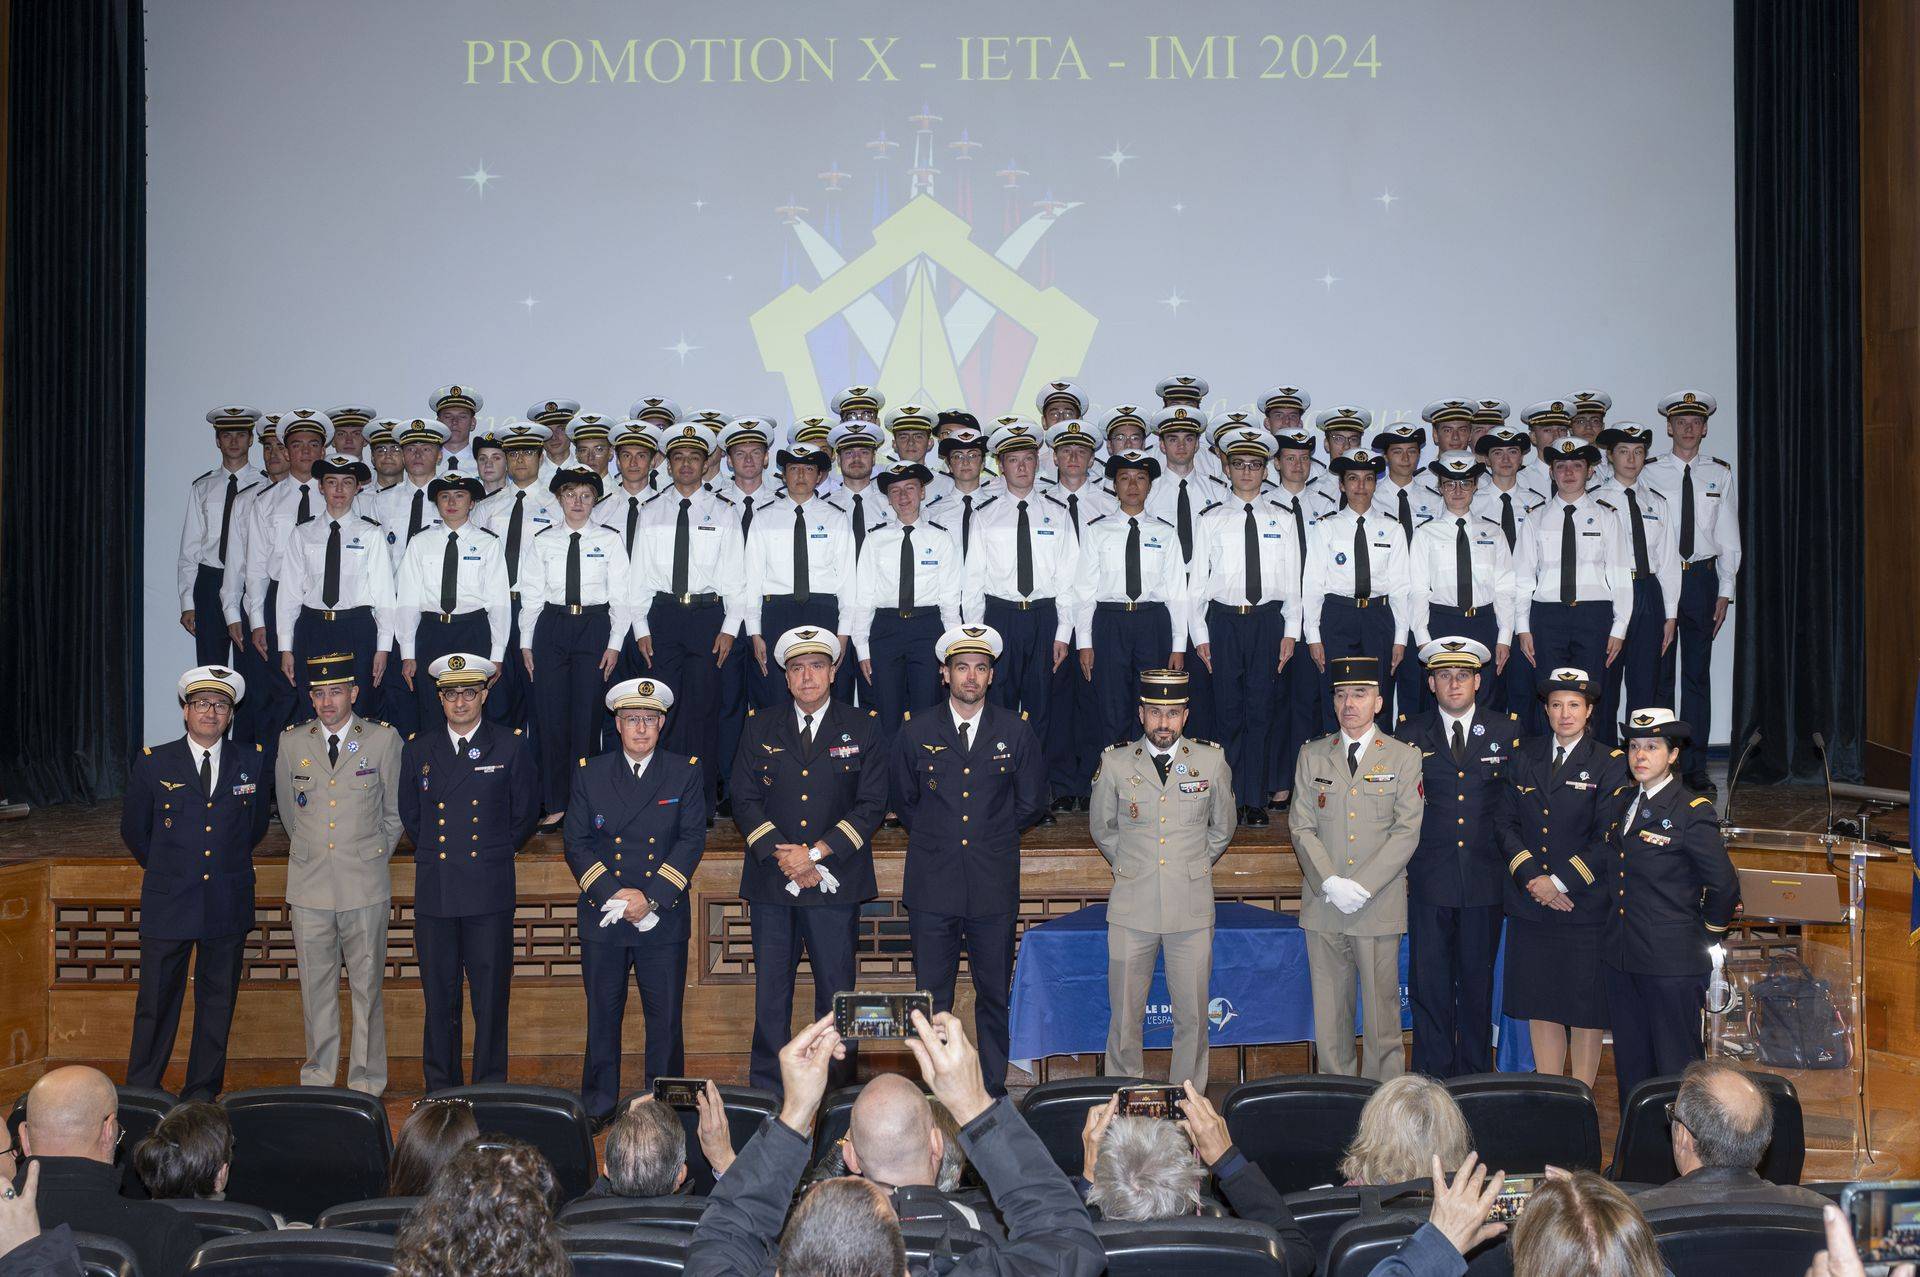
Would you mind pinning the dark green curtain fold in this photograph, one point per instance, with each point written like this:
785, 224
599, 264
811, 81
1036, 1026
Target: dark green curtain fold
75, 370
1799, 666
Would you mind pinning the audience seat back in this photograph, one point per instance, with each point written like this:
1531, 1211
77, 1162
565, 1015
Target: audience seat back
1751, 1241
1364, 1241
375, 1215
550, 1118
624, 1250
297, 1252
223, 1219
1057, 1110
1321, 1212
1296, 1129
1191, 1247
300, 1149
679, 1214
1643, 1150
929, 1241
102, 1256
1522, 1122
141, 1108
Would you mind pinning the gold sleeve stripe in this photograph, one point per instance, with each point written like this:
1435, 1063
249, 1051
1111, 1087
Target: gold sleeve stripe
1581, 866
766, 827
1701, 802
592, 875
853, 835
673, 876
1515, 862
1714, 929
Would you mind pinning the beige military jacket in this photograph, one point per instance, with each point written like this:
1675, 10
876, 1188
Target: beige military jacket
1162, 840
1362, 826
343, 819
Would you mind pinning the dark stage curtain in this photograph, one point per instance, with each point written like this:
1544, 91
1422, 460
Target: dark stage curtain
1800, 661
75, 369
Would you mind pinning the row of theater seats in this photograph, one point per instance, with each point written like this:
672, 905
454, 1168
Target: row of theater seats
318, 1154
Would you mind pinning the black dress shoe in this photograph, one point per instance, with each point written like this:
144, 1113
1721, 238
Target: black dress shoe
1256, 816
891, 822
1063, 804
1086, 804
724, 808
1046, 818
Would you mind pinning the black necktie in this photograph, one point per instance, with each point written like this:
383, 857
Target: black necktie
414, 520
1300, 529
1686, 511
1023, 556
1160, 764
859, 522
1641, 565
450, 575
966, 735
746, 515
966, 523
333, 749
460, 746
513, 539
1185, 524
1462, 566
1569, 557
573, 570
1133, 560
636, 770
1406, 515
806, 732
906, 567
226, 515
1252, 554
1459, 742
330, 581
206, 772
1506, 519
633, 520
1362, 567
1353, 757
306, 510
1559, 759
801, 588
1073, 512
681, 547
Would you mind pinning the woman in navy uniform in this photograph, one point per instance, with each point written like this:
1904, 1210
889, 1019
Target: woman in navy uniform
468, 799
1553, 839
1674, 892
809, 788
195, 810
636, 828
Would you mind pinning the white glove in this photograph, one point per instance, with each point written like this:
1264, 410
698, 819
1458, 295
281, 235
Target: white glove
615, 909
1558, 886
1345, 894
828, 883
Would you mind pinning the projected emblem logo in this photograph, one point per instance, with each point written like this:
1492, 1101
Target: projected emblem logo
924, 312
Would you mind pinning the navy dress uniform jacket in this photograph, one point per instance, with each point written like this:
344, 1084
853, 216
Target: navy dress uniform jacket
648, 834
1557, 824
964, 810
197, 851
467, 816
1457, 862
835, 793
1673, 885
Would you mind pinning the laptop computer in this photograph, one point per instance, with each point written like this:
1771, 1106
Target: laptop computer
1789, 896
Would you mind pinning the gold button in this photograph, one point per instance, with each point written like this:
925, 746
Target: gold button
443, 820
1461, 820
616, 855
1460, 844
803, 771
966, 771
1353, 815
1352, 792
329, 846
332, 783
1163, 842
965, 794
1460, 798
803, 798
443, 837
1163, 859
803, 825
1163, 798
1351, 838
329, 824
333, 802
649, 840
963, 842
443, 806
616, 840
209, 852
1349, 859
1463, 775
963, 820
474, 855
443, 855
209, 828
1623, 913
206, 877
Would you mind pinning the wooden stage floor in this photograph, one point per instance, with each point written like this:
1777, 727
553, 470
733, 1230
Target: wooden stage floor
79, 835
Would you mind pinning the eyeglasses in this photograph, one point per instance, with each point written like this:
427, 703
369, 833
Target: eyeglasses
209, 705
649, 718
454, 1100
459, 693
1674, 1121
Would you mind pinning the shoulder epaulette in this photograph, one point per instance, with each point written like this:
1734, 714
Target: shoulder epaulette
1209, 744
380, 722
721, 497
935, 524
1211, 506
1603, 503
367, 519
1120, 745
1718, 462
1095, 519
209, 473
1535, 506
487, 531
543, 531
1701, 802
1618, 753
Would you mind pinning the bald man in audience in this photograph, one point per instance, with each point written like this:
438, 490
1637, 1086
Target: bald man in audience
1721, 1128
72, 1130
892, 1140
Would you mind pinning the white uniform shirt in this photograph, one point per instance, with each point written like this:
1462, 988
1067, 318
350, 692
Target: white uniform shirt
1716, 514
1603, 561
400, 507
1219, 570
366, 573
769, 557
716, 556
539, 509
233, 581
620, 509
936, 576
1490, 502
950, 507
993, 557
1330, 549
1434, 567
480, 584
1163, 498
1102, 575
1662, 532
274, 517
1423, 502
604, 578
207, 511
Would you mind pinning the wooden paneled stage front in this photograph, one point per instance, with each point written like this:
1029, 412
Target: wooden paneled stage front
69, 958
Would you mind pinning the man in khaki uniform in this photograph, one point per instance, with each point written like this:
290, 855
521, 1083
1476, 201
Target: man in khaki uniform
337, 780
1162, 813
1357, 803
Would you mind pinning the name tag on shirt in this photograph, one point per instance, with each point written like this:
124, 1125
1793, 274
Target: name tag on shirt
490, 767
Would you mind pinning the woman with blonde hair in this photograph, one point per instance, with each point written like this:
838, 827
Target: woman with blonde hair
1408, 1122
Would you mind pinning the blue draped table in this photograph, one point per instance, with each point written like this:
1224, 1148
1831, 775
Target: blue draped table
1260, 992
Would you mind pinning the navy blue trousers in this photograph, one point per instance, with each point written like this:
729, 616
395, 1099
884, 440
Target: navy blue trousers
778, 614
212, 645
267, 707
1656, 1023
906, 677
1302, 711
825, 933
352, 631
737, 680
1347, 629
659, 970
479, 949
1642, 672
683, 638
508, 702
1699, 588
217, 964
1244, 649
568, 694
1575, 634
938, 940
1024, 677
1450, 955
466, 632
1125, 643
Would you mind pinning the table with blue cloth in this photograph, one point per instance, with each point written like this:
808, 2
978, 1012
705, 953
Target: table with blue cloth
1259, 994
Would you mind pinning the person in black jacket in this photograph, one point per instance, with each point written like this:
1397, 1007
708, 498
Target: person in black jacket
195, 810
71, 1133
809, 787
1048, 1232
1675, 893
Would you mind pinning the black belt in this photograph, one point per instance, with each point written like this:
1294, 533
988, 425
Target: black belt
687, 600
1464, 611
1019, 605
1243, 609
1141, 606
1690, 565
448, 618
791, 598
1350, 601
579, 609
339, 613
907, 613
